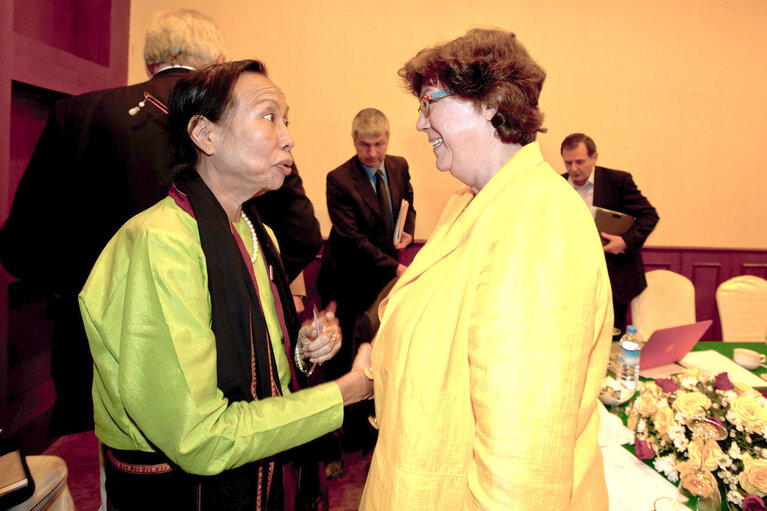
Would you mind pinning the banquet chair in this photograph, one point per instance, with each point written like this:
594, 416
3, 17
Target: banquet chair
742, 304
51, 492
668, 300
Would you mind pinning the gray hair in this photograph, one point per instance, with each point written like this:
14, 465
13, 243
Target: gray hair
182, 37
369, 122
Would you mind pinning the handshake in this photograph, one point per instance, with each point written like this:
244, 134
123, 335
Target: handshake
319, 339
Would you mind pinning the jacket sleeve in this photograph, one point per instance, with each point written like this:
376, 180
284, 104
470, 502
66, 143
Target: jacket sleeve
635, 204
290, 214
341, 208
153, 342
408, 196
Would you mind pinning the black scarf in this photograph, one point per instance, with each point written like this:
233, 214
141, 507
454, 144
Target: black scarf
237, 315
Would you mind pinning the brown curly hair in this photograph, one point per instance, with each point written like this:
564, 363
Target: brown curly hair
489, 67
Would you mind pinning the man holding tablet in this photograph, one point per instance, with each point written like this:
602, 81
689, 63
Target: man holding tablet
615, 190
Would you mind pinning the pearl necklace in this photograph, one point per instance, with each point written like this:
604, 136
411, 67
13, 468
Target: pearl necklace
253, 237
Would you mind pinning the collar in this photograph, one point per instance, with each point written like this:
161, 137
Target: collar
371, 172
589, 182
464, 209
173, 66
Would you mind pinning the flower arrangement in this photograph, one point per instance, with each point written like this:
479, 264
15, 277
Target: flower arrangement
663, 417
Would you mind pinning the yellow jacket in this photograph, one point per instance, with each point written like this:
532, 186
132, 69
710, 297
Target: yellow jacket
491, 352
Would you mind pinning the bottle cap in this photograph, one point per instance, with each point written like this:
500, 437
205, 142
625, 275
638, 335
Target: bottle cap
631, 329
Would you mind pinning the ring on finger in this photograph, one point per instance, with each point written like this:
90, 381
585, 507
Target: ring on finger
332, 337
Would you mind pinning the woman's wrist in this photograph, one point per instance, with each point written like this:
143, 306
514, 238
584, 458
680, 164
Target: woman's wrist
301, 364
355, 386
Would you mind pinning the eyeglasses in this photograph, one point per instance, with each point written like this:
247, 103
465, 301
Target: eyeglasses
428, 99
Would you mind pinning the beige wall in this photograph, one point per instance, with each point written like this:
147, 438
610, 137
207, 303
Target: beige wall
671, 91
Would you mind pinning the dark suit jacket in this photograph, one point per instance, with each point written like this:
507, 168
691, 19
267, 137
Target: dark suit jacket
615, 190
359, 257
94, 167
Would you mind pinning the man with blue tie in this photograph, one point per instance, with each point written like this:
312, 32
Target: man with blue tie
364, 195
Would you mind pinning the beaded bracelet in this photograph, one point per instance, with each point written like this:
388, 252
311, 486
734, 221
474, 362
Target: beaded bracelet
300, 363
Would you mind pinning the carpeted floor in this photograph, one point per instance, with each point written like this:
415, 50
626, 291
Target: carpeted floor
80, 452
345, 492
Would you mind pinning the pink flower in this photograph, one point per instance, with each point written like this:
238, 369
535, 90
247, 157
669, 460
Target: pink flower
723, 382
753, 503
666, 384
643, 450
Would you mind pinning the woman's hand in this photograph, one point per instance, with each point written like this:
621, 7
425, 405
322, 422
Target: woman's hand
320, 339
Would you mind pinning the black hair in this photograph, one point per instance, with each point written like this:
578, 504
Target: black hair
206, 92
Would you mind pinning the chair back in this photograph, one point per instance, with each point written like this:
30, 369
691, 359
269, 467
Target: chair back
742, 304
668, 300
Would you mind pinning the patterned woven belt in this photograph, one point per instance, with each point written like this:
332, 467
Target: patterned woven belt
135, 468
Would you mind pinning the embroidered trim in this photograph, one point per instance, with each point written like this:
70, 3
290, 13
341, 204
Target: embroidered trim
253, 375
269, 480
131, 468
275, 389
259, 499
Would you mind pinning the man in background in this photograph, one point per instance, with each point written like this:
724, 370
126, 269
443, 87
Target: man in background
364, 196
615, 190
100, 159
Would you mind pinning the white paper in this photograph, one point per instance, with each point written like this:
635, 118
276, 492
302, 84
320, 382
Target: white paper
632, 485
663, 371
611, 429
715, 363
404, 206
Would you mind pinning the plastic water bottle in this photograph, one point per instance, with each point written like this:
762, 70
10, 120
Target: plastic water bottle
628, 360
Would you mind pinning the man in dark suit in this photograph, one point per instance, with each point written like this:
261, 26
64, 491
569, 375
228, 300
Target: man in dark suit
364, 195
614, 190
100, 159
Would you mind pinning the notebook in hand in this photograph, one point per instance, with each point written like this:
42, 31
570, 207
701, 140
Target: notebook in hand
612, 222
404, 205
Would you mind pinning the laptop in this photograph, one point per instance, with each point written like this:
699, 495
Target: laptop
670, 345
667, 345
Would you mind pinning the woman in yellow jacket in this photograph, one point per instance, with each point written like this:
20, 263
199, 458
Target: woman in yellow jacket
494, 343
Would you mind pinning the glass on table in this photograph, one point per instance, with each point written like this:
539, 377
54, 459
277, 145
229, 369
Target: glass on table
700, 484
